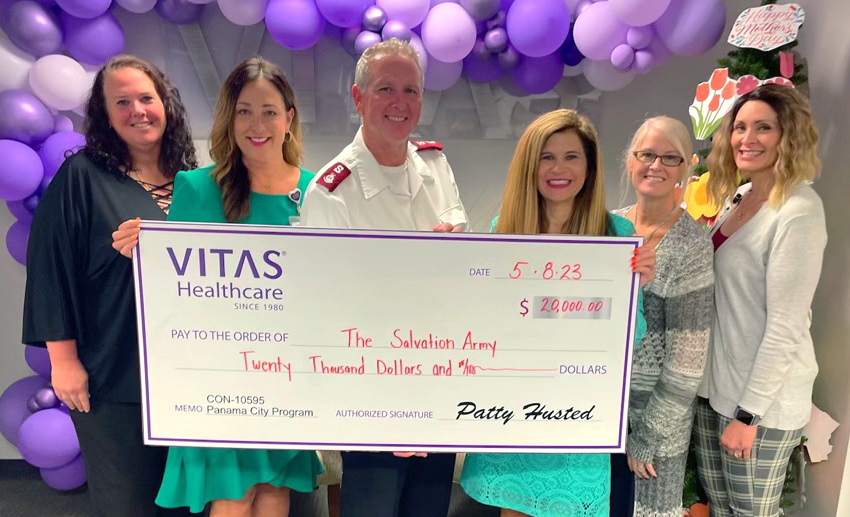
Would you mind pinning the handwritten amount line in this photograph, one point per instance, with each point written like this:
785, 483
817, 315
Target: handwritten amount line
388, 375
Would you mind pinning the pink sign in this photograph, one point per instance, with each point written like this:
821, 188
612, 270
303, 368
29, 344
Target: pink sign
767, 27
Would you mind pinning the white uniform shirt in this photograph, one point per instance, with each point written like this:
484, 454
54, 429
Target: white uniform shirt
352, 192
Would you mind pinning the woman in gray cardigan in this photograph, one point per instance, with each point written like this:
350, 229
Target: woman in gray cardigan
668, 364
769, 247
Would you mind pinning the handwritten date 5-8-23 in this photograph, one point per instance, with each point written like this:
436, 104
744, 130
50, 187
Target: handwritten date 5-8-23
548, 271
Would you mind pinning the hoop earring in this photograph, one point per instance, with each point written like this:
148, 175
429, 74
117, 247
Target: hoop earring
287, 137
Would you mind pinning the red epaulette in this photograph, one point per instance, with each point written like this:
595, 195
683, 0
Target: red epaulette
333, 176
427, 145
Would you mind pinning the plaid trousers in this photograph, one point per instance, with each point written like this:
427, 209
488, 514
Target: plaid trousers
738, 487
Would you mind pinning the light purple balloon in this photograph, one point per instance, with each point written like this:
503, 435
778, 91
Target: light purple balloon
17, 209
482, 71
396, 29
62, 123
448, 32
343, 13
13, 405
23, 117
481, 9
348, 37
537, 28
32, 28
652, 56
17, 239
498, 20
46, 398
638, 12
179, 12
622, 57
137, 6
84, 8
597, 31
38, 360
581, 7
441, 76
410, 12
538, 74
295, 24
67, 477
93, 40
644, 61
20, 170
419, 47
691, 27
604, 77
496, 40
56, 148
639, 37
243, 12
480, 50
365, 40
374, 18
509, 58
47, 439
32, 405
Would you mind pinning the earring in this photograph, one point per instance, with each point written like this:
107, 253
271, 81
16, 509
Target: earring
678, 184
287, 137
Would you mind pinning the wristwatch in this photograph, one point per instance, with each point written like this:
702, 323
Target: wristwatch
745, 417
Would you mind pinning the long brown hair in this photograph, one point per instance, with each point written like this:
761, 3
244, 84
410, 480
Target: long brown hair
229, 171
522, 205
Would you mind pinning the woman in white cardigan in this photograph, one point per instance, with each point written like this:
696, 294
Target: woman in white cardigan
769, 247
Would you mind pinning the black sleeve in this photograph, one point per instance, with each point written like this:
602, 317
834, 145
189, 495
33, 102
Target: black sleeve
55, 253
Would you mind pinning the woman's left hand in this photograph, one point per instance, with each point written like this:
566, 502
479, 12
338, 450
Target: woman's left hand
641, 469
737, 439
644, 263
447, 228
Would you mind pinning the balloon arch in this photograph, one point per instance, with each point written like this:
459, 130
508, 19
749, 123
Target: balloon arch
527, 45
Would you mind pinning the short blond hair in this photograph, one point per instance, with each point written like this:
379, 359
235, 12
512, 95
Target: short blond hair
675, 132
391, 47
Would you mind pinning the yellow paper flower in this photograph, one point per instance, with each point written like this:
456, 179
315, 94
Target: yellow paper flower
696, 199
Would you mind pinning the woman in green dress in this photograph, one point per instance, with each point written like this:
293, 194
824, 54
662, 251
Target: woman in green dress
256, 145
554, 185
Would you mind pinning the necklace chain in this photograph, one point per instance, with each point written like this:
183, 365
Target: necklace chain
657, 227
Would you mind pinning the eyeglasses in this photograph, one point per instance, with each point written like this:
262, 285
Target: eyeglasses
670, 160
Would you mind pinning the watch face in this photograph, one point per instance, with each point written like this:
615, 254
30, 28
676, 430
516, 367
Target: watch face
744, 417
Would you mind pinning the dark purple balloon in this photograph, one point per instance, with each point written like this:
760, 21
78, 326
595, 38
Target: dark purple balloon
38, 360
84, 8
46, 398
480, 50
570, 54
509, 59
31, 202
538, 74
496, 40
396, 29
33, 28
32, 405
348, 37
479, 71
498, 20
93, 40
23, 117
374, 18
179, 11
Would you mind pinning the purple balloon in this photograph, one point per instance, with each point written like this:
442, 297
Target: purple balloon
84, 8
691, 27
570, 54
622, 57
374, 18
508, 59
179, 11
644, 61
13, 405
581, 7
20, 212
597, 31
295, 24
411, 12
482, 71
537, 28
243, 12
638, 12
47, 439
137, 6
343, 13
23, 117
17, 239
38, 360
93, 40
20, 170
32, 28
496, 40
348, 37
538, 74
448, 32
365, 40
62, 123
67, 477
498, 20
440, 76
419, 47
507, 83
481, 9
396, 29
603, 76
32, 405
56, 148
46, 398
639, 37
480, 50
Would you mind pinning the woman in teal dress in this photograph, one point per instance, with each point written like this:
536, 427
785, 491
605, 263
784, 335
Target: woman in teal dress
554, 185
256, 145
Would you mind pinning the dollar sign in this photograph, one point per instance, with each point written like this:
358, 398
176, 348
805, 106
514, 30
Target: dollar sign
524, 310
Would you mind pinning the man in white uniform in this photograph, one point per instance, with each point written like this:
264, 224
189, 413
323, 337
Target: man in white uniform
383, 181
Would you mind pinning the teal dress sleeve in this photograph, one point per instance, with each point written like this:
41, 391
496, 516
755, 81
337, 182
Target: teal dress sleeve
622, 227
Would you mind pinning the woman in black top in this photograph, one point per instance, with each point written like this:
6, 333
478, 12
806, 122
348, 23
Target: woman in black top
79, 297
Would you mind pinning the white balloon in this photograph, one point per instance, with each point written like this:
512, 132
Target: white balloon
59, 81
604, 77
573, 71
14, 63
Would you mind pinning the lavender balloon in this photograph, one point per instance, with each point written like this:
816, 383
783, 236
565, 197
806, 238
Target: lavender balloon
496, 40
374, 18
509, 59
179, 11
32, 405
62, 123
46, 398
17, 239
441, 76
20, 170
482, 71
13, 405
639, 37
597, 31
411, 12
93, 40
66, 477
537, 28
538, 74
691, 27
137, 6
243, 12
604, 77
622, 57
32, 28
38, 360
448, 32
419, 47
639, 12
343, 13
365, 40
23, 117
396, 29
84, 8
481, 9
295, 24
47, 439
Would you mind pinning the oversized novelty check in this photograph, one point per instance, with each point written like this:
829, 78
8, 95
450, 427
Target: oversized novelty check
300, 338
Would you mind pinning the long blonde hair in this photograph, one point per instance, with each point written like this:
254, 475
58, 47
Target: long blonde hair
230, 172
797, 160
522, 205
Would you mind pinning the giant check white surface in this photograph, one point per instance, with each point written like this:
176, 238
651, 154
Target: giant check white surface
278, 337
